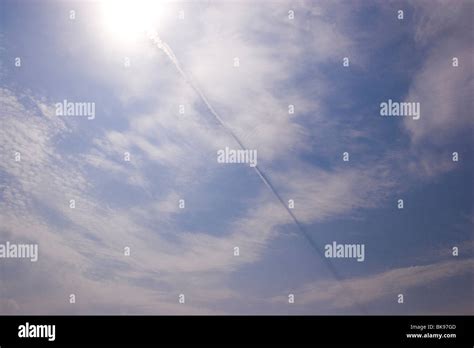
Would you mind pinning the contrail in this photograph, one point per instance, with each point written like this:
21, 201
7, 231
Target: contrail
153, 35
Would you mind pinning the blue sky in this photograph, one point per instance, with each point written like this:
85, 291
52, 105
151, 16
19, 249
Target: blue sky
190, 251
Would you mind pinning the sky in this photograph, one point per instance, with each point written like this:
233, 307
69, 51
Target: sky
220, 73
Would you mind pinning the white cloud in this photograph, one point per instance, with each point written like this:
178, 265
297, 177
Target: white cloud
444, 30
371, 288
88, 242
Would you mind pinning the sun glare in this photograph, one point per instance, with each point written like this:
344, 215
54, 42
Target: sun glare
126, 20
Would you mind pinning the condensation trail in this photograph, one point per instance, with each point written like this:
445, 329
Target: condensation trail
153, 35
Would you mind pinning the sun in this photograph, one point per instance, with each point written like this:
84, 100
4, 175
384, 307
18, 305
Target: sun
127, 20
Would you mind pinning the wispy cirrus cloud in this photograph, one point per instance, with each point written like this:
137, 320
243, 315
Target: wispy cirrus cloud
173, 156
383, 285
